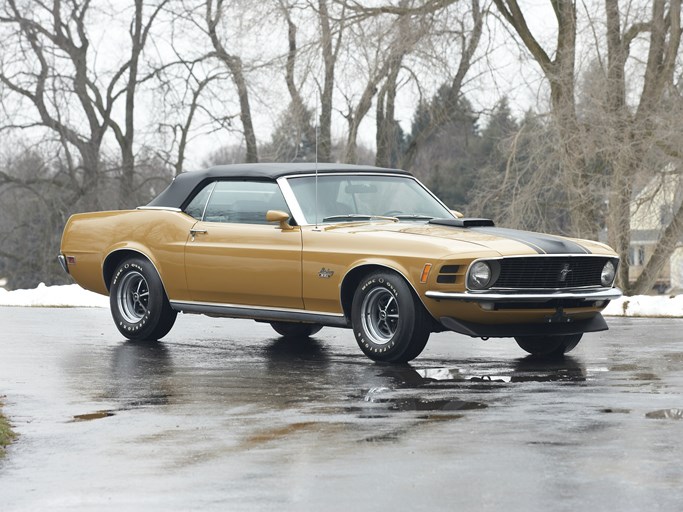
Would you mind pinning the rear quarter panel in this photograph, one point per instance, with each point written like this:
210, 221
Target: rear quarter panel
159, 235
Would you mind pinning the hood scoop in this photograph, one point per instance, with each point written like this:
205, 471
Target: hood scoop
463, 223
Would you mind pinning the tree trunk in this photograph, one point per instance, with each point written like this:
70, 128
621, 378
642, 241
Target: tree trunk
234, 65
329, 60
386, 124
245, 110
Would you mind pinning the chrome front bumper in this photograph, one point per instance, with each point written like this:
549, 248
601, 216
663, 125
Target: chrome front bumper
545, 296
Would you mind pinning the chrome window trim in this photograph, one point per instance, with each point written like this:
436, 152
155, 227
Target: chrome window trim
290, 199
160, 208
206, 204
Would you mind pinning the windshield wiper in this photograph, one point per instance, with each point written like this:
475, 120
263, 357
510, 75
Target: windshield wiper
413, 217
357, 216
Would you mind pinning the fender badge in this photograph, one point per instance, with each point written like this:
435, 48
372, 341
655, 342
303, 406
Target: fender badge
325, 273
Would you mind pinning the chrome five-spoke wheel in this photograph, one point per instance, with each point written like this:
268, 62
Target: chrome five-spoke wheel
380, 315
138, 301
389, 322
133, 297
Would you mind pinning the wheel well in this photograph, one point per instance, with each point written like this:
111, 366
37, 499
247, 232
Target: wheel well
355, 276
114, 260
353, 279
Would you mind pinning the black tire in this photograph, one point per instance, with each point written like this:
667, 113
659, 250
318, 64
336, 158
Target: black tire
548, 346
138, 302
294, 329
389, 322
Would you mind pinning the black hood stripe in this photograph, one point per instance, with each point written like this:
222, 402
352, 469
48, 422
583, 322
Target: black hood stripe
541, 243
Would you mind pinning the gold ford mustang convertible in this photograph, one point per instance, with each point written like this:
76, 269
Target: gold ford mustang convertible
304, 246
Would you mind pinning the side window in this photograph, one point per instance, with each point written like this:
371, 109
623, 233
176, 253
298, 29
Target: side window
196, 207
244, 202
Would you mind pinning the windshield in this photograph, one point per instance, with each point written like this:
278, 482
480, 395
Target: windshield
348, 198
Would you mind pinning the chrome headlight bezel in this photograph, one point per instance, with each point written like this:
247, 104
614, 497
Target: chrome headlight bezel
479, 275
608, 274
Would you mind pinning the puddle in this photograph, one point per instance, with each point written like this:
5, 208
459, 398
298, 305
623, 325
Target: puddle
434, 405
492, 378
441, 417
448, 374
422, 404
439, 374
92, 416
666, 414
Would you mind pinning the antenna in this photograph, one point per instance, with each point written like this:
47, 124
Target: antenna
316, 159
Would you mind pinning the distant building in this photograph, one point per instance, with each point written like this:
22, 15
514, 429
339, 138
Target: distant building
651, 212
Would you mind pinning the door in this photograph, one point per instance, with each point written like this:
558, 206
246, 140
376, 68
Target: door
234, 256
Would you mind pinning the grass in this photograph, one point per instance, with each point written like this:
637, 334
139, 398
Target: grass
7, 435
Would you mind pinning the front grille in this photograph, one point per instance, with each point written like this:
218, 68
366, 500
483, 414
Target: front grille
550, 272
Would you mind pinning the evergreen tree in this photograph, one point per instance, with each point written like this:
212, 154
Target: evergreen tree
446, 160
290, 142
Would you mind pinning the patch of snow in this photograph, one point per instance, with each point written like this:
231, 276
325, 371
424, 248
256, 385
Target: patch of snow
71, 295
76, 297
647, 306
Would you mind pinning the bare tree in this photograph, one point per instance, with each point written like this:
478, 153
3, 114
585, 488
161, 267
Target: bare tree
626, 132
331, 44
215, 10
125, 132
66, 89
183, 87
298, 108
467, 39
387, 127
385, 37
37, 36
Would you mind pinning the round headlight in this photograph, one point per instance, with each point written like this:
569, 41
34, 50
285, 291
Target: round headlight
608, 274
480, 276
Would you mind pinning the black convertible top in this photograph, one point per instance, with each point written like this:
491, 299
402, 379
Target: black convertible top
184, 184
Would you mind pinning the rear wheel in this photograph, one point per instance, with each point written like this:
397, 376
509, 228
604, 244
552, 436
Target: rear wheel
389, 323
295, 330
139, 305
548, 346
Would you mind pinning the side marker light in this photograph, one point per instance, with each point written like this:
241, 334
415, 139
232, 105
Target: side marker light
425, 272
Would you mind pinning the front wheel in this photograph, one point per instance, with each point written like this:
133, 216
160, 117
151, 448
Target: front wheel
389, 322
548, 346
295, 330
139, 305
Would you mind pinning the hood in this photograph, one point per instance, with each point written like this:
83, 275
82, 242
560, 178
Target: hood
501, 240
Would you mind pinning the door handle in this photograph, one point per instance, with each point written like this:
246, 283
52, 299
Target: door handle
195, 232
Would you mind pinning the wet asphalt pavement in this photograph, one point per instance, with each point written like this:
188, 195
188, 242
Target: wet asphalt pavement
225, 415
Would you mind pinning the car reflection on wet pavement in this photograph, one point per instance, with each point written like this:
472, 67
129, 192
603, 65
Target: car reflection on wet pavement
225, 415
